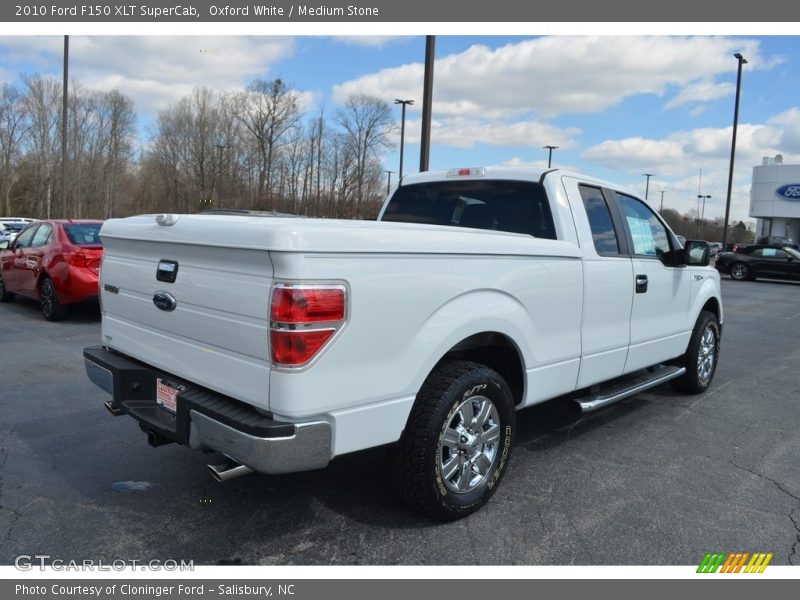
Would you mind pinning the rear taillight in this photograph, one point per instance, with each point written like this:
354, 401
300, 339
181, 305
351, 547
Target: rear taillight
77, 259
303, 319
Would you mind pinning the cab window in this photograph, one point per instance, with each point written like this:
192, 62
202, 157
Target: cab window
648, 234
24, 239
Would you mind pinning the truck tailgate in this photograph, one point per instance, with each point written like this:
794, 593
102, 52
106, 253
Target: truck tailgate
217, 333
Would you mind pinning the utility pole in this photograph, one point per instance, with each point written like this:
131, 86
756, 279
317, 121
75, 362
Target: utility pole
64, 105
427, 102
550, 154
389, 180
742, 61
647, 186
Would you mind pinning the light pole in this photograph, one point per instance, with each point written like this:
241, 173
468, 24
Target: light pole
662, 201
427, 104
404, 103
701, 212
64, 105
550, 154
742, 61
647, 185
389, 181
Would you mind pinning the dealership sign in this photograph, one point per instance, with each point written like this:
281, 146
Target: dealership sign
790, 191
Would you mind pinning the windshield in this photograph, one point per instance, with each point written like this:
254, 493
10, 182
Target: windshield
513, 206
84, 234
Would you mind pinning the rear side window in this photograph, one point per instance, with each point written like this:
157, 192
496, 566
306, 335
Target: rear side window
83, 234
513, 206
42, 236
603, 233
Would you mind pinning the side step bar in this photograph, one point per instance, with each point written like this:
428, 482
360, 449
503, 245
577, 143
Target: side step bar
627, 388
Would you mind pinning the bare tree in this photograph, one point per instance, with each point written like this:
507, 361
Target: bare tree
42, 102
366, 122
269, 110
12, 132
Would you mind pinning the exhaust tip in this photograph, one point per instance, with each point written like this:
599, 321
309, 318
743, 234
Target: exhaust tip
113, 409
228, 470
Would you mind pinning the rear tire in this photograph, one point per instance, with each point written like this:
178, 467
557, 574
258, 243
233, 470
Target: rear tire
52, 309
457, 442
701, 356
5, 295
740, 271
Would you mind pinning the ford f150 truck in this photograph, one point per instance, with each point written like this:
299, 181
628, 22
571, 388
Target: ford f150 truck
283, 343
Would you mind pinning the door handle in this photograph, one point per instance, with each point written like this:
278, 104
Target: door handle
641, 284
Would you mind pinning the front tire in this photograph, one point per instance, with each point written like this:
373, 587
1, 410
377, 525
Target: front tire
5, 295
740, 272
52, 309
701, 356
457, 442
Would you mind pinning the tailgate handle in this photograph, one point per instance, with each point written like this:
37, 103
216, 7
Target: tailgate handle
167, 271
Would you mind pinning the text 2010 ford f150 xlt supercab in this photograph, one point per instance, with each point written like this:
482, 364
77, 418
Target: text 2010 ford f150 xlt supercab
283, 343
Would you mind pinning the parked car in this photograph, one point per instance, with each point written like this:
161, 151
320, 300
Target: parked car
54, 262
761, 261
11, 226
775, 240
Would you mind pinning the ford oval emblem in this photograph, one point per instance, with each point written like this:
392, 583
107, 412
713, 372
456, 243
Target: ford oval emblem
164, 301
790, 191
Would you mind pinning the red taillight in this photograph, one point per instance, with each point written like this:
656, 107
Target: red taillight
307, 305
303, 319
297, 347
77, 259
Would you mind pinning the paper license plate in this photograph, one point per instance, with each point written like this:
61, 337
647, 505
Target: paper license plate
167, 394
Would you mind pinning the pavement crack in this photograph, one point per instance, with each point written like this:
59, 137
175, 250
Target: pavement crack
795, 553
15, 514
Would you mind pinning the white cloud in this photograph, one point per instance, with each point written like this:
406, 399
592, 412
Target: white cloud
555, 75
371, 41
458, 132
153, 70
678, 158
703, 91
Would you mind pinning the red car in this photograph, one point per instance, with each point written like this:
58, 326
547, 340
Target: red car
54, 262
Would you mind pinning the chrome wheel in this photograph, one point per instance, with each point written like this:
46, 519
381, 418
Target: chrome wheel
469, 444
739, 271
707, 355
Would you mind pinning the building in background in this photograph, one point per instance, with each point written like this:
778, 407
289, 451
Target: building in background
775, 198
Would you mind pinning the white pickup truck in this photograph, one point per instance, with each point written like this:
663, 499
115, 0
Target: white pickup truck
282, 343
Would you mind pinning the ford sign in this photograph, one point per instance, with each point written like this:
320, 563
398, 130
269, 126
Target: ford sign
790, 191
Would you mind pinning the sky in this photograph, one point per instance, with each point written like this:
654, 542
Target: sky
617, 106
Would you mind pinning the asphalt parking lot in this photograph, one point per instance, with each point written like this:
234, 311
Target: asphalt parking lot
659, 479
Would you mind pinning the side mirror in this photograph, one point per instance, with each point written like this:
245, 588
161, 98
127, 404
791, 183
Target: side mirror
697, 253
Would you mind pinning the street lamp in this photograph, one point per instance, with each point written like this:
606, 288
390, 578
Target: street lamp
742, 61
662, 201
647, 185
550, 154
701, 212
402, 132
388, 181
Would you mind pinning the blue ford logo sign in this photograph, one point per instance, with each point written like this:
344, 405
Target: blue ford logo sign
790, 191
164, 301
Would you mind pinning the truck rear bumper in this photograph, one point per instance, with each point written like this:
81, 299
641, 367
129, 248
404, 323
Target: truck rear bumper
205, 419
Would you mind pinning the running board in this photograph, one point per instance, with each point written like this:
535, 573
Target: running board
628, 388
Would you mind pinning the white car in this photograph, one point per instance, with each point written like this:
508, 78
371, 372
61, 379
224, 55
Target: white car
11, 226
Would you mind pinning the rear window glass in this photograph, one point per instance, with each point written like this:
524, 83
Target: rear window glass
83, 234
513, 206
